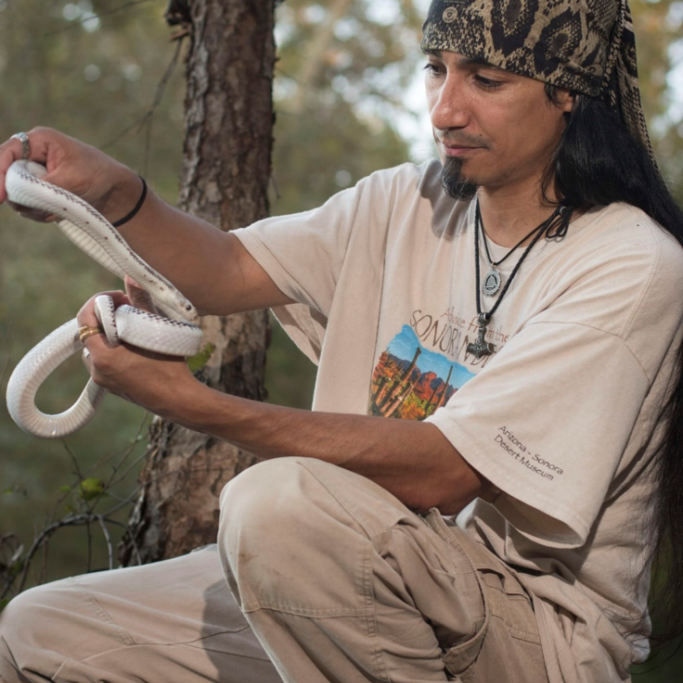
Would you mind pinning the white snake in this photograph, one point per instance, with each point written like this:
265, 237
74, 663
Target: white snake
176, 334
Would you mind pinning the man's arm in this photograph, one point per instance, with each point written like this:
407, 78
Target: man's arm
412, 460
210, 267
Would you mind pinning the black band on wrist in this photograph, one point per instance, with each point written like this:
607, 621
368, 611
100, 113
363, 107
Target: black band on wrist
136, 208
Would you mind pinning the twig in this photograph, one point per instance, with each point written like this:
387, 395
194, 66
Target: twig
110, 550
124, 475
88, 533
42, 539
147, 118
131, 537
74, 460
133, 443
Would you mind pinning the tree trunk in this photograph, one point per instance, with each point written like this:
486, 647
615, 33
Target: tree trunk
224, 179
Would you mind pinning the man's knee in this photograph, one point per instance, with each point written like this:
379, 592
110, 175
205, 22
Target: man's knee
27, 629
266, 505
22, 619
283, 531
301, 534
283, 503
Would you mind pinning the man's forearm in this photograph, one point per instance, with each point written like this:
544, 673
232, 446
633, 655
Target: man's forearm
208, 266
412, 460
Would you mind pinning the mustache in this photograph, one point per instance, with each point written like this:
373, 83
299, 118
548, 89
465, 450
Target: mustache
460, 140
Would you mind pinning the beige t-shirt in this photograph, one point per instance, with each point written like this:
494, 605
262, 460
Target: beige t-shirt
560, 418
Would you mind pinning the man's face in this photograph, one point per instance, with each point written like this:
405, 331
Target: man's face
493, 128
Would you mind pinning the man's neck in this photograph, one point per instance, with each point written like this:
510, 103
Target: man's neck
511, 212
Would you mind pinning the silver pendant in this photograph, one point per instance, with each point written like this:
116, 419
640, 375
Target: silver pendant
492, 283
481, 347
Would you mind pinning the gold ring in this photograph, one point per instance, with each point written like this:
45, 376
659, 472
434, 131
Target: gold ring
86, 331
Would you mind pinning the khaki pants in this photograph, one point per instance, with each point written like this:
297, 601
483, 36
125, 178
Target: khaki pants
336, 578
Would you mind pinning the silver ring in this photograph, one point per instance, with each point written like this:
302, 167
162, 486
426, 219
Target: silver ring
25, 147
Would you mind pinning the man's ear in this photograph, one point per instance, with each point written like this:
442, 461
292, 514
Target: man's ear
566, 99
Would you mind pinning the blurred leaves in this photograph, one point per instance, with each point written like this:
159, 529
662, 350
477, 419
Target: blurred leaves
659, 39
91, 489
91, 69
340, 83
201, 358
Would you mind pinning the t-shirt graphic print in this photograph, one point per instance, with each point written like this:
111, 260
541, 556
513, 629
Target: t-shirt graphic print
410, 382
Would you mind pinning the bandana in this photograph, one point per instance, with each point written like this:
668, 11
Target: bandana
587, 46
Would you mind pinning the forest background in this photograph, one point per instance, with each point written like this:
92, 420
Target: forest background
348, 101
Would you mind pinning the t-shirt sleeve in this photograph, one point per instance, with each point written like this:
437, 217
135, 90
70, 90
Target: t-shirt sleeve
303, 254
537, 424
306, 253
562, 407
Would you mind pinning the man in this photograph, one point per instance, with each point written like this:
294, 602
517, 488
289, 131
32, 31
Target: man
524, 323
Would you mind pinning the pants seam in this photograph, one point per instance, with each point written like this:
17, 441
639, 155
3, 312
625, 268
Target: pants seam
123, 635
191, 644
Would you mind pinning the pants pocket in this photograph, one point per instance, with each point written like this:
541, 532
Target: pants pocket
461, 660
510, 603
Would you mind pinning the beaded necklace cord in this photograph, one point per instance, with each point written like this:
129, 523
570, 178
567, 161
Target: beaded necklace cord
553, 228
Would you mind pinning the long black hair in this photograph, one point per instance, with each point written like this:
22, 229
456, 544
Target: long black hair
598, 162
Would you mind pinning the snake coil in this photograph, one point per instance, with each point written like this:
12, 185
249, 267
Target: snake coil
174, 333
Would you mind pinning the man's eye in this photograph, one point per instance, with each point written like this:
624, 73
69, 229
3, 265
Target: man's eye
432, 68
487, 83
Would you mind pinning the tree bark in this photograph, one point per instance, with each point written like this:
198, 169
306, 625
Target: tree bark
224, 179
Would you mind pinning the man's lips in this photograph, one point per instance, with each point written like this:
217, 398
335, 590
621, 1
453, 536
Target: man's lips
456, 150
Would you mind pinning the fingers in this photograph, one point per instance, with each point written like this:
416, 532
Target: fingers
96, 344
33, 214
147, 378
138, 296
104, 183
12, 150
87, 317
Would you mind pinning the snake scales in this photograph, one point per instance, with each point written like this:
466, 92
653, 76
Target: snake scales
174, 333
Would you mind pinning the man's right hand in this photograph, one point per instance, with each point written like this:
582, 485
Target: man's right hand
108, 186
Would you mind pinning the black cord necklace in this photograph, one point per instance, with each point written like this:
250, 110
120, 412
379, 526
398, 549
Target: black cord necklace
554, 228
494, 279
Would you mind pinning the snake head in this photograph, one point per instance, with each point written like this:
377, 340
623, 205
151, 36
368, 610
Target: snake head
191, 313
177, 307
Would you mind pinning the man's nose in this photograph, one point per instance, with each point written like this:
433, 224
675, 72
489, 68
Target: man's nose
449, 108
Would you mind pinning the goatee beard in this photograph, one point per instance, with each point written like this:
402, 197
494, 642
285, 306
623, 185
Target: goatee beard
455, 186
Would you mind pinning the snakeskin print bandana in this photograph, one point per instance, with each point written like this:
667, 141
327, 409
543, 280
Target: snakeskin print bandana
587, 46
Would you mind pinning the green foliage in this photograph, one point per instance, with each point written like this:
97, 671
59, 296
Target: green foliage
659, 30
91, 489
201, 358
341, 76
92, 84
